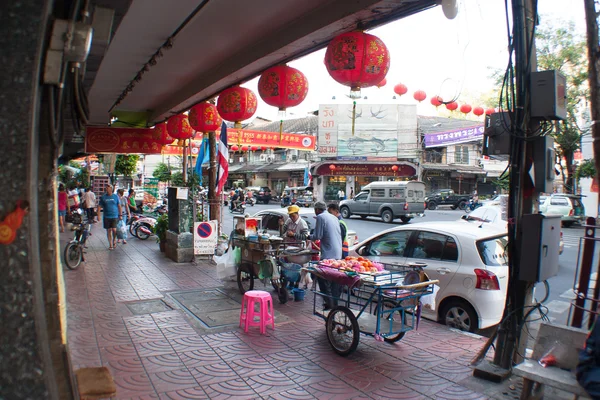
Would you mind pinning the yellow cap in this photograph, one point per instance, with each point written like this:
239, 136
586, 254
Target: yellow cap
293, 209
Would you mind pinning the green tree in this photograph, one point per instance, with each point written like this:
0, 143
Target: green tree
586, 169
503, 182
560, 49
177, 179
193, 180
162, 172
126, 165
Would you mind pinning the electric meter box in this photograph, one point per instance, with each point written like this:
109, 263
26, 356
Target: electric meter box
548, 95
540, 247
496, 135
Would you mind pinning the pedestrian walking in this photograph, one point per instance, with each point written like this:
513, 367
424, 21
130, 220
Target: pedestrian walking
124, 213
328, 231
63, 200
341, 195
334, 210
111, 214
131, 202
89, 204
351, 193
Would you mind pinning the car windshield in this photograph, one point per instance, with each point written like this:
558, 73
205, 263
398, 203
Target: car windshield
576, 202
493, 251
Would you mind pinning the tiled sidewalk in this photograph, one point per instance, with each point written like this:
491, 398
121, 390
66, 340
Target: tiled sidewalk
166, 356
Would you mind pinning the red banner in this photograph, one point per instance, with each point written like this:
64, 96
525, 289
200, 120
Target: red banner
366, 170
270, 139
121, 140
178, 150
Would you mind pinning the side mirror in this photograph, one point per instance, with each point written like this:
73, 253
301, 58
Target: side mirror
465, 217
361, 250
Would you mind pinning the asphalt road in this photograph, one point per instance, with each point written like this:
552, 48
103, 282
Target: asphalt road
560, 286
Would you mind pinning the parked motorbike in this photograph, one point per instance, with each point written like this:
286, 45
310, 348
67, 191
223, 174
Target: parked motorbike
472, 206
239, 208
143, 227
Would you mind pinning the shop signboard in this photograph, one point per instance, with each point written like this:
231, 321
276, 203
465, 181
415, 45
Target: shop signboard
284, 140
205, 237
111, 140
150, 190
382, 132
367, 170
463, 135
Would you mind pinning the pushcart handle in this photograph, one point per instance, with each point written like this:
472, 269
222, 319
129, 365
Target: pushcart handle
419, 285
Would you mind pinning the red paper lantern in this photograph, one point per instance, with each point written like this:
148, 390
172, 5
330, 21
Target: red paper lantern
263, 148
332, 167
394, 168
179, 127
282, 87
236, 104
436, 101
244, 148
465, 108
400, 89
253, 148
382, 83
452, 106
478, 111
489, 111
161, 134
204, 117
420, 95
357, 59
234, 148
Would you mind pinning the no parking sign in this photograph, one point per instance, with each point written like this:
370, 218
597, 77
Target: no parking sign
205, 237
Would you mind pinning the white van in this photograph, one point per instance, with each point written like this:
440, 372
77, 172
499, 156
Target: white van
389, 200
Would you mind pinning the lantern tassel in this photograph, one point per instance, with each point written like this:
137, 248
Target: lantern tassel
353, 116
280, 130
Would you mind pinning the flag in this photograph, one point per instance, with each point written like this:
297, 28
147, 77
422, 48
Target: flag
203, 157
307, 175
222, 159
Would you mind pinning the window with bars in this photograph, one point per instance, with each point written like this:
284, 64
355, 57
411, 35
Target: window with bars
434, 156
461, 154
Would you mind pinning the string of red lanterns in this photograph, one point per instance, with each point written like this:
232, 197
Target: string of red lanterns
420, 95
465, 109
400, 89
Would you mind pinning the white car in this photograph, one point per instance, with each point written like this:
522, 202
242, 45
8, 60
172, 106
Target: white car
495, 216
469, 260
270, 221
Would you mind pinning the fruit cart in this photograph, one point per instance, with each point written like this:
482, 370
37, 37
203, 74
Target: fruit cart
384, 304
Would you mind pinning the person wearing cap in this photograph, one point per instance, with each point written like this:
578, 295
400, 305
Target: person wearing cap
328, 231
295, 228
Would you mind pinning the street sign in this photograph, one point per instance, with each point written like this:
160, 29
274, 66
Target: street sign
205, 237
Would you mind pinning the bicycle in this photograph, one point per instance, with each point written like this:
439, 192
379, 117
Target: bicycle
73, 253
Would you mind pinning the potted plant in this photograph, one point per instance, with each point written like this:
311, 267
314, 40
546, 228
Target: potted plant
160, 229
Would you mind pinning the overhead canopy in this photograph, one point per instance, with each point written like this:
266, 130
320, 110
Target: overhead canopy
208, 45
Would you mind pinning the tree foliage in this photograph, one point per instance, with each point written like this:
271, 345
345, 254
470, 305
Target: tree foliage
586, 169
560, 49
503, 182
193, 180
162, 172
126, 164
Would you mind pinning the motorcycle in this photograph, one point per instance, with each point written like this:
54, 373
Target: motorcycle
239, 208
143, 227
472, 206
251, 201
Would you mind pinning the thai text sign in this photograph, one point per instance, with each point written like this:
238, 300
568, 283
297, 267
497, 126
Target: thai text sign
328, 130
270, 139
205, 237
454, 137
121, 140
366, 170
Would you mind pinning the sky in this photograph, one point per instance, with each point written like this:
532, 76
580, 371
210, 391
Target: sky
451, 58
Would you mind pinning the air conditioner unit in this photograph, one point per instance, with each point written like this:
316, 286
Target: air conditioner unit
264, 157
270, 159
294, 157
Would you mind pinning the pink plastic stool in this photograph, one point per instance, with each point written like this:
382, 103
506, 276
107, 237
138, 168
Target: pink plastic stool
265, 313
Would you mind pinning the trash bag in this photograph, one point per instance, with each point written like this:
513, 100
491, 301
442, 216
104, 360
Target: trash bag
226, 265
121, 230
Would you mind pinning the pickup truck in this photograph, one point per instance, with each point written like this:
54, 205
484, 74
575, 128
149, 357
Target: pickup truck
447, 197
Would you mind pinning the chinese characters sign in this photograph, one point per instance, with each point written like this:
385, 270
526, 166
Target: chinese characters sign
454, 137
270, 139
366, 170
121, 140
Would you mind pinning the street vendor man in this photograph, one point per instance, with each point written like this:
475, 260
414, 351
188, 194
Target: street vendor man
294, 229
328, 231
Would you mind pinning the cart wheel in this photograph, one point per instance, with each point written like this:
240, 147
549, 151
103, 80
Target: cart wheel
284, 296
245, 279
388, 305
275, 284
342, 330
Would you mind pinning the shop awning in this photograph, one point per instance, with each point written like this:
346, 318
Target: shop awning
461, 169
235, 168
293, 167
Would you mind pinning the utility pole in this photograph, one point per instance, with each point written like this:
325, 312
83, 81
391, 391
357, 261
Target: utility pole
591, 19
511, 340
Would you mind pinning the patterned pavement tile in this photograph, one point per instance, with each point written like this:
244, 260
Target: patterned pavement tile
294, 394
118, 352
286, 359
125, 366
84, 352
396, 391
162, 362
188, 343
457, 392
146, 335
110, 326
422, 359
264, 344
338, 365
367, 380
178, 331
82, 340
270, 382
427, 383
397, 370
234, 351
199, 357
332, 389
150, 396
168, 381
222, 339
445, 350
185, 394
106, 339
307, 373
213, 373
250, 366
232, 389
452, 371
155, 348
133, 385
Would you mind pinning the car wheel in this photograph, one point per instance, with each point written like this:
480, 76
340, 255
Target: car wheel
404, 219
463, 205
432, 205
345, 211
387, 216
460, 315
453, 207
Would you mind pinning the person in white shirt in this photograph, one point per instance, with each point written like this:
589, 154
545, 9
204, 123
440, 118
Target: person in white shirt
89, 203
